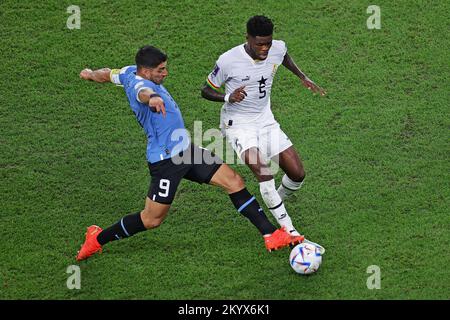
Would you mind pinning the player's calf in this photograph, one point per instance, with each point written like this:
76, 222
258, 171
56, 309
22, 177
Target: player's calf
292, 165
154, 213
96, 238
248, 206
126, 227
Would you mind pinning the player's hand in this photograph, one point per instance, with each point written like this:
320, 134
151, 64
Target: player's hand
156, 104
310, 85
86, 74
238, 95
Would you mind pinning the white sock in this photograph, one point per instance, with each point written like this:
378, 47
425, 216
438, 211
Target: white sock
273, 201
288, 187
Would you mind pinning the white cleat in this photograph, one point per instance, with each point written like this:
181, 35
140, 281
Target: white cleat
321, 249
294, 233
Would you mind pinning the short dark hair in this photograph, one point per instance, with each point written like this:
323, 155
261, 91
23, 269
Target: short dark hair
150, 57
259, 26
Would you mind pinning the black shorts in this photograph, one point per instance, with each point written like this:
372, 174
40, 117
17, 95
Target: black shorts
195, 164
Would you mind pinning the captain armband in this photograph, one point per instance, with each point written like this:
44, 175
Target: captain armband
114, 76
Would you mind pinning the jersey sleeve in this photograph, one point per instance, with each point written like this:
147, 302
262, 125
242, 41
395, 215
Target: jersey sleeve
283, 48
117, 76
218, 76
142, 85
280, 49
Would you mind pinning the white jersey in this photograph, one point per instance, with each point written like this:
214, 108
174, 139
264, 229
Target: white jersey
235, 68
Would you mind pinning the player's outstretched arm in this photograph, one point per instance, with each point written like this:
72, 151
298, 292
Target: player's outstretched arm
147, 96
308, 83
100, 75
236, 96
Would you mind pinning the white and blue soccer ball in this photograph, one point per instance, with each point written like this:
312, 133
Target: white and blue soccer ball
305, 258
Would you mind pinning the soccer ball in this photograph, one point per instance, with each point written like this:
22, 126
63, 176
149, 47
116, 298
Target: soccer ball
305, 258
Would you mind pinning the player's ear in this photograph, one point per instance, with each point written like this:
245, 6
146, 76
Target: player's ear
147, 72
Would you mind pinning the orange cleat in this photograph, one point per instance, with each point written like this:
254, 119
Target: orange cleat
90, 245
296, 239
277, 240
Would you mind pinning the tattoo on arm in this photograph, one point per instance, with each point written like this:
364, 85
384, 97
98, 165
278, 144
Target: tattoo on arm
101, 75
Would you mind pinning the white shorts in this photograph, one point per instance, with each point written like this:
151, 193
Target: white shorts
270, 139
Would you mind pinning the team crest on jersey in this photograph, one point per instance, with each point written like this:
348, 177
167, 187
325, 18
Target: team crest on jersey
216, 70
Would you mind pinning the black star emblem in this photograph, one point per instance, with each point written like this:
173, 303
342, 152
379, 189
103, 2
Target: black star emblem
262, 82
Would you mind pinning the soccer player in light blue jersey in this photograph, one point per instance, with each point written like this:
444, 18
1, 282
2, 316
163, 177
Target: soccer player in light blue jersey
171, 157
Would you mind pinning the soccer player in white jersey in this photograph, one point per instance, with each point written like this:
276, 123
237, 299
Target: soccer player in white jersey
247, 72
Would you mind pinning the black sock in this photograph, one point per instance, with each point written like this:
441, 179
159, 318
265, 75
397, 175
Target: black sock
246, 204
126, 227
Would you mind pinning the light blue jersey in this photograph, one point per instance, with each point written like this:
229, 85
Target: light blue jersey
166, 136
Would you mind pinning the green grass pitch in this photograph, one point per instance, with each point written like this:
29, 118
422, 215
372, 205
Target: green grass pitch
376, 151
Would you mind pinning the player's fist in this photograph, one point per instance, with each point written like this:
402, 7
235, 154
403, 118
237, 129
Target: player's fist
86, 74
237, 95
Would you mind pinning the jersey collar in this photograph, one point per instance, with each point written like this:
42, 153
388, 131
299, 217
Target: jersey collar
254, 62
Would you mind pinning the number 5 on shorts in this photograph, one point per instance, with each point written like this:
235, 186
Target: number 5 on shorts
164, 185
